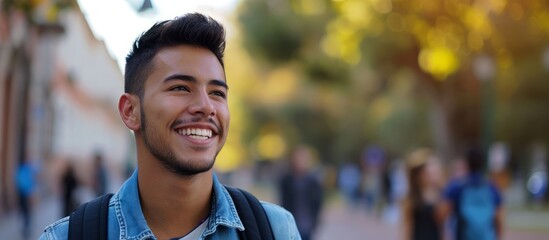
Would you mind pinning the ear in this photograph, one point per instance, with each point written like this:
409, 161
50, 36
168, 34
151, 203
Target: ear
129, 110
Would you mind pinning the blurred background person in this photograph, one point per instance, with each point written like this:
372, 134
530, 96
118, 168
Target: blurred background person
301, 191
349, 184
497, 159
398, 191
386, 184
26, 185
537, 183
69, 184
475, 202
457, 172
422, 220
100, 175
372, 180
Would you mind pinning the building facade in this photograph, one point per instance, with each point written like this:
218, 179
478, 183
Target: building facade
59, 88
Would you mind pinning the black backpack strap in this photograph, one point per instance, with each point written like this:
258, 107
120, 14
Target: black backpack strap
90, 220
252, 215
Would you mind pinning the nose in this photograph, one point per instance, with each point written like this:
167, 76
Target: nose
202, 105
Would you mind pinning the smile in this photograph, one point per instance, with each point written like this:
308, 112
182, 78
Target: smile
196, 133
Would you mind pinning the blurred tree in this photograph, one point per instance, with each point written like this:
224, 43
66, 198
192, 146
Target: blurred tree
469, 61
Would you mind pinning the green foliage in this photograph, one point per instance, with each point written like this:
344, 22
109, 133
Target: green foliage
322, 69
276, 33
376, 68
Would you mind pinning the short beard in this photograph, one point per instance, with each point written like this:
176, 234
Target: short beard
161, 151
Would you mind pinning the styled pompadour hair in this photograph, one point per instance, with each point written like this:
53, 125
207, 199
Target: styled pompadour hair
193, 29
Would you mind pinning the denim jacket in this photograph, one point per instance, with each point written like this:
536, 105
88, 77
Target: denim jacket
126, 220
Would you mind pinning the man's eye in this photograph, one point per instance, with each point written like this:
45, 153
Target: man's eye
179, 88
219, 94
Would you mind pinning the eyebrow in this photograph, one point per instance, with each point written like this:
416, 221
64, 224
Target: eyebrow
188, 78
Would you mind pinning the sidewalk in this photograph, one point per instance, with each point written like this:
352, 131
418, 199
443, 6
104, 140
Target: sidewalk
43, 213
341, 223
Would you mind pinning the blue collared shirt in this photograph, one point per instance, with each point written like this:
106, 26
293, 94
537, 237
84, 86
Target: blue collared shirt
126, 219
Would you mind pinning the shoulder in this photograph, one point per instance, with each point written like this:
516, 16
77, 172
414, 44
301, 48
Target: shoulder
275, 212
453, 188
282, 222
60, 228
57, 230
497, 198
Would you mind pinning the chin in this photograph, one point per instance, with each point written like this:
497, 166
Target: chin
189, 169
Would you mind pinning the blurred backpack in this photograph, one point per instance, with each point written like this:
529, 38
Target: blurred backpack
476, 212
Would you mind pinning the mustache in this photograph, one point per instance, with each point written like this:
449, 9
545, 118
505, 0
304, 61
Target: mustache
195, 120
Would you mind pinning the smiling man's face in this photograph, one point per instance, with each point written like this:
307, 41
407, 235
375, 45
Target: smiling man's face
184, 111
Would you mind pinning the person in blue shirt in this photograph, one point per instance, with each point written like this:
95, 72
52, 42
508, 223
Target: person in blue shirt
25, 179
175, 102
474, 203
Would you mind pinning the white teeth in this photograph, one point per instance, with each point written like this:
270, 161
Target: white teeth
198, 137
196, 133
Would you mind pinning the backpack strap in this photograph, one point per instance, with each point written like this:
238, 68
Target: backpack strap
252, 214
90, 220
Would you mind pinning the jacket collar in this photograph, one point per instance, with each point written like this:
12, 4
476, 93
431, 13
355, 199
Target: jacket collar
134, 226
223, 210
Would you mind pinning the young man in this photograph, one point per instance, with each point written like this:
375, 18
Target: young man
175, 102
301, 192
474, 202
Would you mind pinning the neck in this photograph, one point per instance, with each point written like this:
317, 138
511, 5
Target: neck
173, 205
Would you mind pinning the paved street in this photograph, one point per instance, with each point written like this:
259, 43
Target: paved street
338, 223
344, 224
44, 213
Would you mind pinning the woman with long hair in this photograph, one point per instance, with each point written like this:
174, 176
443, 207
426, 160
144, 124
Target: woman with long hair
422, 220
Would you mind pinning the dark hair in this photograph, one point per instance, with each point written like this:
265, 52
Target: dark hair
416, 162
475, 159
192, 29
